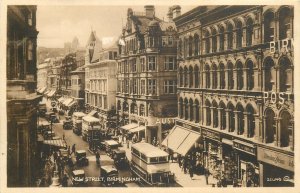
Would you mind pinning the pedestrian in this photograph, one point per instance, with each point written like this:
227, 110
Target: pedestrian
191, 172
69, 151
73, 148
97, 158
206, 171
63, 136
185, 163
179, 160
55, 156
64, 181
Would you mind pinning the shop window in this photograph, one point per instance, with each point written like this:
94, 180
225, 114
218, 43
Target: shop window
269, 27
285, 129
285, 23
214, 40
285, 75
250, 75
197, 112
240, 119
239, 34
239, 75
222, 76
196, 77
186, 109
214, 76
191, 77
208, 113
181, 76
230, 76
229, 36
207, 76
249, 32
191, 109
190, 46
270, 126
186, 77
250, 121
215, 115
222, 39
196, 45
270, 74
231, 113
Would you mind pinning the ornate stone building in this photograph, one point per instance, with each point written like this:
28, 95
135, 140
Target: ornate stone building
22, 100
146, 87
235, 83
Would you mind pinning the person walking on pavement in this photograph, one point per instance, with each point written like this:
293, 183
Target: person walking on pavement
64, 181
55, 156
97, 158
191, 172
206, 175
69, 151
73, 149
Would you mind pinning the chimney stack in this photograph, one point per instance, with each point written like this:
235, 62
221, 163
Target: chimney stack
150, 11
170, 14
176, 11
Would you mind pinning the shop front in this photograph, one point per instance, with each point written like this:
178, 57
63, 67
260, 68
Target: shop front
276, 167
247, 164
229, 167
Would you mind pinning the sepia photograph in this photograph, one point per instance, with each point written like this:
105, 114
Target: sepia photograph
148, 95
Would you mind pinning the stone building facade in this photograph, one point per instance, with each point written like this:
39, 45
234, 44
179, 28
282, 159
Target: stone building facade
235, 84
146, 87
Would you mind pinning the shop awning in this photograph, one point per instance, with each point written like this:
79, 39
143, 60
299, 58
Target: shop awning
42, 90
188, 143
67, 101
175, 138
51, 93
129, 126
72, 103
137, 129
47, 92
56, 143
93, 113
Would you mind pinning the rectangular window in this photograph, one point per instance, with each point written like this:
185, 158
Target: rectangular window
170, 86
133, 65
151, 87
79, 81
152, 63
143, 67
164, 41
170, 41
104, 85
170, 63
126, 85
134, 86
143, 84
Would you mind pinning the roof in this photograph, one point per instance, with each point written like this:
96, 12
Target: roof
111, 142
90, 119
164, 26
79, 114
80, 151
78, 172
149, 150
109, 168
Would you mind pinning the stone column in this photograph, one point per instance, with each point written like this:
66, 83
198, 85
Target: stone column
179, 110
291, 136
226, 79
244, 37
204, 115
264, 136
246, 126
194, 112
225, 41
212, 116
245, 85
184, 110
235, 79
227, 119
236, 124
278, 132
220, 118
218, 79
257, 127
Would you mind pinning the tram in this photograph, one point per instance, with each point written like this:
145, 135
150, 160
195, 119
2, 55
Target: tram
150, 164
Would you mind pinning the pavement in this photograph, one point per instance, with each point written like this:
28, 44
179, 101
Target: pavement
181, 178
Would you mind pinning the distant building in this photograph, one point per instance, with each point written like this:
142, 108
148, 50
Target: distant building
42, 75
78, 87
22, 100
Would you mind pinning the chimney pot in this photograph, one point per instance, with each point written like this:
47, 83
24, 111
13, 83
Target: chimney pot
150, 11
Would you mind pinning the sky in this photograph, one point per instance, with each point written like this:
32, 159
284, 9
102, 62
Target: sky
60, 24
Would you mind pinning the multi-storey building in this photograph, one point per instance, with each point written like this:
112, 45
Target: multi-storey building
235, 84
22, 101
101, 93
54, 77
146, 87
42, 75
77, 87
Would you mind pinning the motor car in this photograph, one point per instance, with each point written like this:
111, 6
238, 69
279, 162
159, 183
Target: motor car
42, 109
80, 158
48, 115
67, 124
110, 176
48, 135
78, 178
120, 159
43, 125
54, 118
54, 109
110, 145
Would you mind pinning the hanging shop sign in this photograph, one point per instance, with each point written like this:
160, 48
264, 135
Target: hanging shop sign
276, 158
190, 127
245, 147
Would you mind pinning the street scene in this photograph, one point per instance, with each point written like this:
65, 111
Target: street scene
150, 96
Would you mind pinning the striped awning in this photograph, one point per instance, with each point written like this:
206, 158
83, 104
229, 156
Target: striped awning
56, 143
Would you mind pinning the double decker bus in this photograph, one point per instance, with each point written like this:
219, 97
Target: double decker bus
150, 164
90, 128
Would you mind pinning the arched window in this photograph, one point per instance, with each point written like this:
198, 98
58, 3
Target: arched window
230, 76
285, 75
250, 121
285, 23
191, 108
285, 129
239, 34
191, 81
269, 27
249, 31
208, 113
270, 74
231, 114
222, 38
125, 107
185, 47
223, 115
133, 108
207, 76
214, 76
196, 44
250, 75
240, 119
196, 76
207, 42
229, 36
180, 112
142, 110
239, 75
181, 75
215, 115
190, 46
186, 77
186, 109
222, 76
214, 40
197, 112
270, 126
